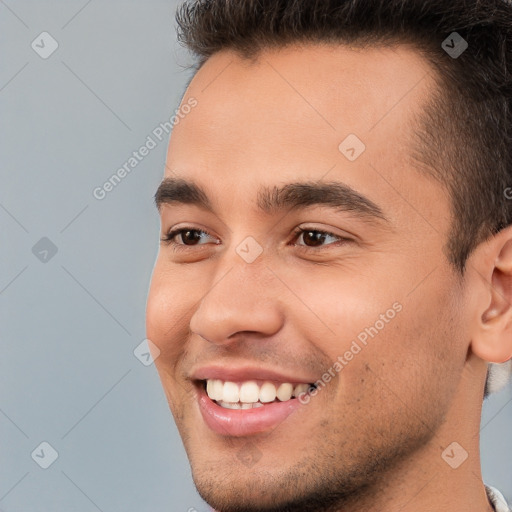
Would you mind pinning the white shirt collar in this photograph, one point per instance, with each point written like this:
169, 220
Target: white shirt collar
497, 499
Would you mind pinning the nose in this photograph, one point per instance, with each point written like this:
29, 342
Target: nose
243, 299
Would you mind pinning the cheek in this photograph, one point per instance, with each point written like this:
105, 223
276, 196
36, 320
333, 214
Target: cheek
335, 306
166, 315
167, 328
414, 363
385, 335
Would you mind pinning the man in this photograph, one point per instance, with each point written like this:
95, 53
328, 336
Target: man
335, 272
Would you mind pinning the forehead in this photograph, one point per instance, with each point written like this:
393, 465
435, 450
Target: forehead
321, 75
287, 114
310, 96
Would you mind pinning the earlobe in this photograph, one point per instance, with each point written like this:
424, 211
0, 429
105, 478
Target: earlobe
492, 339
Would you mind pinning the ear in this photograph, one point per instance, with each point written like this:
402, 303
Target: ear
491, 289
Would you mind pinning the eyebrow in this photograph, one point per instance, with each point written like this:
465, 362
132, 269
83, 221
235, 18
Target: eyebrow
291, 196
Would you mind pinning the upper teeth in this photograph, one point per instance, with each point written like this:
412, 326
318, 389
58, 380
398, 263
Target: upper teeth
251, 392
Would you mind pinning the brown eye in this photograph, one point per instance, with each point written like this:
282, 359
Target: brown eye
190, 236
186, 237
313, 238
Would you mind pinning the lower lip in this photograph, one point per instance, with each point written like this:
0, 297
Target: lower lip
244, 422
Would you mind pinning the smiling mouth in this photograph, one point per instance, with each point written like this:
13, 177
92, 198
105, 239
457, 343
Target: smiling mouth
252, 394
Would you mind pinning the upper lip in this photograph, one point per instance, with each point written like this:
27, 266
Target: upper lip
246, 372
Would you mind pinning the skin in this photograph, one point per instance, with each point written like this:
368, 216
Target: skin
373, 437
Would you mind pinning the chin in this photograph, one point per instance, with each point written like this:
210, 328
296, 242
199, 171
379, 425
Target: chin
229, 486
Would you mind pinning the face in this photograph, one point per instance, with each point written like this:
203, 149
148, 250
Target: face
304, 257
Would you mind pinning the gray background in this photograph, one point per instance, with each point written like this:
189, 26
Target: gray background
69, 324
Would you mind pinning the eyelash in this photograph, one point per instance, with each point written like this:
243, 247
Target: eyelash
168, 238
